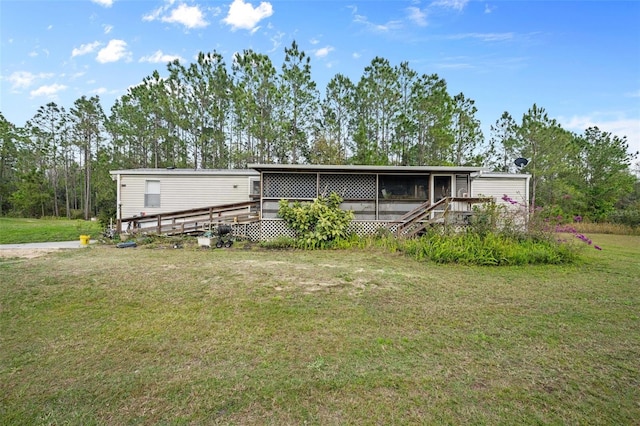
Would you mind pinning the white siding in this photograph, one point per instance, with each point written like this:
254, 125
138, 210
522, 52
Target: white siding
497, 186
182, 192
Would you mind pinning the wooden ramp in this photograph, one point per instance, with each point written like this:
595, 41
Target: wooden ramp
445, 211
190, 221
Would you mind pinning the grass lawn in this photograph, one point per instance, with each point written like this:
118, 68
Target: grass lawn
18, 230
240, 336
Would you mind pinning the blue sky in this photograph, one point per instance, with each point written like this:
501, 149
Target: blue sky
580, 60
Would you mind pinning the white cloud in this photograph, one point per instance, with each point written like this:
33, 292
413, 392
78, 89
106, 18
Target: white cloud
105, 3
152, 16
417, 16
616, 124
99, 91
244, 16
107, 28
635, 94
381, 28
50, 90
161, 58
85, 48
488, 9
113, 52
451, 4
482, 36
323, 51
189, 16
276, 41
37, 51
453, 65
24, 79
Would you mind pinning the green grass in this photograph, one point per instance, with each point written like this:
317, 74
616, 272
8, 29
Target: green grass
15, 231
241, 336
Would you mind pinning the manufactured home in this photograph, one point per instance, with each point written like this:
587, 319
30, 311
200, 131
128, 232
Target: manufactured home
380, 196
142, 192
386, 196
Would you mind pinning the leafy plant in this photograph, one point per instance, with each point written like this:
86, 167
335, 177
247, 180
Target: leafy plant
281, 242
319, 223
490, 249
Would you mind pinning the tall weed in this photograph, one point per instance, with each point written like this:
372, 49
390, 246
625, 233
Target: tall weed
489, 249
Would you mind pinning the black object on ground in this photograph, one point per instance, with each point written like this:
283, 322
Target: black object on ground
126, 244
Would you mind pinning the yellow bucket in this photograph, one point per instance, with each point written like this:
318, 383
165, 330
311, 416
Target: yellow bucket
84, 240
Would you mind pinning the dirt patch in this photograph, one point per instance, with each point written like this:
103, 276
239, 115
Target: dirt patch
25, 253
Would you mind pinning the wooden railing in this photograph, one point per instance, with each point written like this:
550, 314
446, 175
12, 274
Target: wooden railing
417, 220
190, 221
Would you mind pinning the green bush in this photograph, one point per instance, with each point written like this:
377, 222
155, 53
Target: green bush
629, 216
317, 224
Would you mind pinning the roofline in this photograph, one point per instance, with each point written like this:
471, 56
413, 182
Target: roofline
504, 175
185, 172
363, 168
254, 170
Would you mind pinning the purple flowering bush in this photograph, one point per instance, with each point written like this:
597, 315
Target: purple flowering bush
502, 234
545, 225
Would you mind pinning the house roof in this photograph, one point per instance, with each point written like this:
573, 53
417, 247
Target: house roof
308, 168
499, 175
185, 172
362, 168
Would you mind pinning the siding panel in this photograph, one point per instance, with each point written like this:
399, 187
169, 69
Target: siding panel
182, 192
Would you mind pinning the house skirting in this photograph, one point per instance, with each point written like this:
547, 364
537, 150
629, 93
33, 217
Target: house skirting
270, 229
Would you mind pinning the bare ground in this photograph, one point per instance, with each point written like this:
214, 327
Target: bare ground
25, 253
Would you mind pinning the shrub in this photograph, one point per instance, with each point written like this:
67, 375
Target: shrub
490, 249
317, 224
629, 216
498, 235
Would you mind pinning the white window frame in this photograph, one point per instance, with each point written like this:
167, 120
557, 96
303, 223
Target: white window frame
151, 193
252, 181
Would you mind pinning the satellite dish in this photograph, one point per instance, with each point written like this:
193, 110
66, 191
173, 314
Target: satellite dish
521, 162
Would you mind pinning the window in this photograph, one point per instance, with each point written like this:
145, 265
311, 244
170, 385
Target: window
403, 187
441, 187
254, 187
152, 193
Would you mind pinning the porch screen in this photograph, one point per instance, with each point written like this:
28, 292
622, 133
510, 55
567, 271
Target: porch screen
152, 193
400, 187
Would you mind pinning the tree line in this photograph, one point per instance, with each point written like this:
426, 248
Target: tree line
208, 114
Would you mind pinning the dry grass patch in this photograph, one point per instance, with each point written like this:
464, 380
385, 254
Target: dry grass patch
8, 254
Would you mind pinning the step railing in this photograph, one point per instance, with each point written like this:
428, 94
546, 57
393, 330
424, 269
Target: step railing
417, 220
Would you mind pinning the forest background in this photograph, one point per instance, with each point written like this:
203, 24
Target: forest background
214, 115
